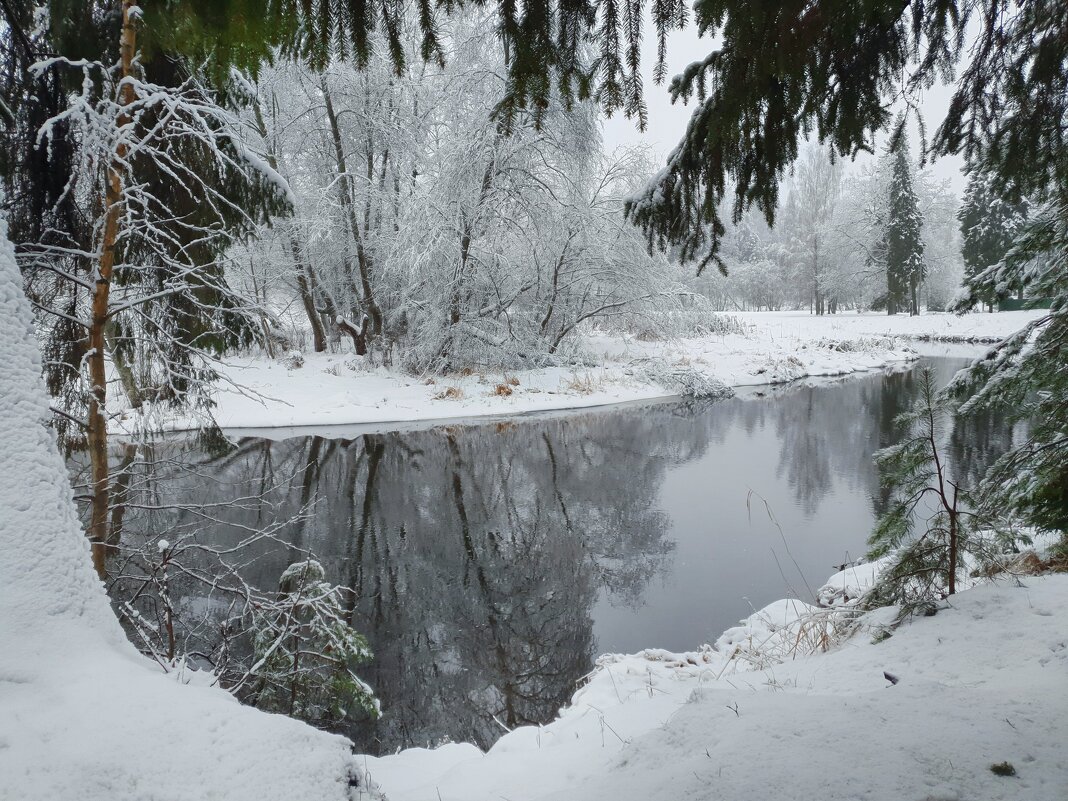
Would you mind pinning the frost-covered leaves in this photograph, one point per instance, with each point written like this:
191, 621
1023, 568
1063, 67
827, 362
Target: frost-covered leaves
306, 653
1025, 376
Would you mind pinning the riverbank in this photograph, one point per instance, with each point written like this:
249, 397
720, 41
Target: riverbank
924, 713
766, 348
82, 714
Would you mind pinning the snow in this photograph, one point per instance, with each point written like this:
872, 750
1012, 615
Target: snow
762, 714
977, 327
980, 683
338, 389
82, 714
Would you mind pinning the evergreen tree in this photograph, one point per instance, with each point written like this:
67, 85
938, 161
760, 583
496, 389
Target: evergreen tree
989, 220
306, 653
1024, 377
903, 248
920, 489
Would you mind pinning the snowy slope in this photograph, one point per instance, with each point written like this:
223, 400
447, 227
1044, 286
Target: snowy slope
982, 682
82, 715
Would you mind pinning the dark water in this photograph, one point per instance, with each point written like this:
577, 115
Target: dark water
492, 563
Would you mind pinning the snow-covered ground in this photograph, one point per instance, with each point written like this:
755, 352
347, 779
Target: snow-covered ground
335, 389
82, 714
977, 327
981, 683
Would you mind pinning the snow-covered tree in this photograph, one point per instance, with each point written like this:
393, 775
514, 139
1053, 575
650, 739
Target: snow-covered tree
306, 653
161, 172
459, 242
902, 242
808, 222
1024, 376
990, 220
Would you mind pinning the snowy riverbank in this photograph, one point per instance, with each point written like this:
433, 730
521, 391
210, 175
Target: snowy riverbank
83, 716
771, 347
980, 683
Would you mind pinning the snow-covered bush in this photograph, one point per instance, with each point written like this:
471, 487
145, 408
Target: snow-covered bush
687, 381
306, 653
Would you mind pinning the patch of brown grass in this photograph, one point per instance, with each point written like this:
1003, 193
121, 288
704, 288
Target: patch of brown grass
449, 393
1027, 563
501, 391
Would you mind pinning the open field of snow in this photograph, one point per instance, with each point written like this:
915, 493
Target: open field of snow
977, 327
981, 683
336, 389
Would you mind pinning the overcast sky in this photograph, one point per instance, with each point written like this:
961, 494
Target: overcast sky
667, 122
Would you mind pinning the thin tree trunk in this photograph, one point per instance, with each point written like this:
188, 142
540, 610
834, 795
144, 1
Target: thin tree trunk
97, 432
302, 271
122, 367
306, 297
953, 536
465, 239
347, 201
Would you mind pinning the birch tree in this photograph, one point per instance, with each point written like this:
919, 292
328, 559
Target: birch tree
167, 182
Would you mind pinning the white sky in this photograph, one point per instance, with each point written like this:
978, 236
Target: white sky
667, 122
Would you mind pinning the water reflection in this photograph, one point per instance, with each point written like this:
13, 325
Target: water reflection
489, 564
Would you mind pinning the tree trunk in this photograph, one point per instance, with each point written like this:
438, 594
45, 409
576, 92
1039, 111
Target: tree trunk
307, 298
348, 203
466, 234
97, 432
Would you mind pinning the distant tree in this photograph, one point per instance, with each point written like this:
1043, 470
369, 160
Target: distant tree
902, 246
990, 220
808, 216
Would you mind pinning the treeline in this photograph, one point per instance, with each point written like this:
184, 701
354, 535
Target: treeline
883, 236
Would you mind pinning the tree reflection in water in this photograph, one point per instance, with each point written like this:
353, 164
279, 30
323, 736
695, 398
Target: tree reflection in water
480, 557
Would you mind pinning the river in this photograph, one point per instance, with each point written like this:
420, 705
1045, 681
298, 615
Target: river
491, 563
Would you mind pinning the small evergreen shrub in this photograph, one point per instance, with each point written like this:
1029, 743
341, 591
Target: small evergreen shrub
930, 524
306, 653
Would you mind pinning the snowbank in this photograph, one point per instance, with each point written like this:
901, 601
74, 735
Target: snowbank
980, 683
772, 348
82, 714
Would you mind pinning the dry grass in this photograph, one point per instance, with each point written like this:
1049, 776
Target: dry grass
449, 393
1027, 563
501, 391
583, 384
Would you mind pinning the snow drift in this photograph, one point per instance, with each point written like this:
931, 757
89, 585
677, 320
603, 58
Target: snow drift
82, 714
